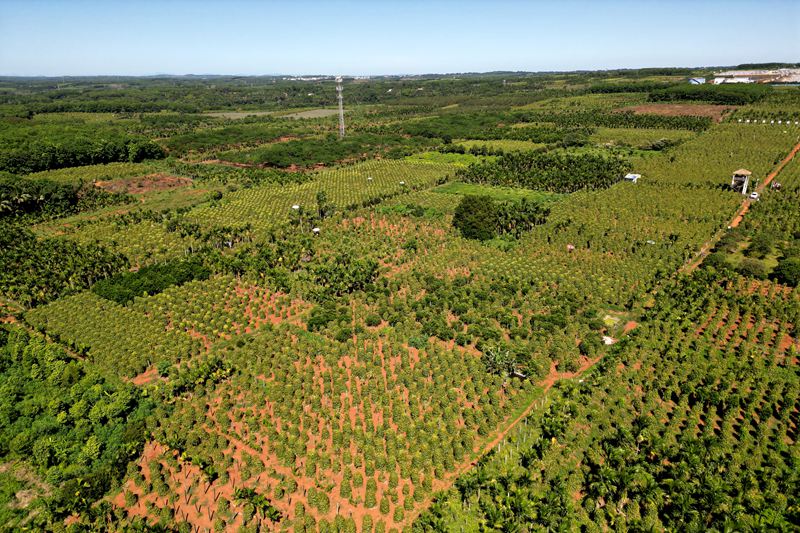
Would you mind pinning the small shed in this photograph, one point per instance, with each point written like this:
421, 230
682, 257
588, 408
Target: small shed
633, 178
697, 81
741, 180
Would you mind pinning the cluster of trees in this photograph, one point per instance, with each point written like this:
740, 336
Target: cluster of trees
26, 148
555, 171
230, 135
77, 429
727, 94
149, 280
34, 271
43, 198
480, 217
236, 176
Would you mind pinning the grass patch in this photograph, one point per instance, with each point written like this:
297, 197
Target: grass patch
506, 145
502, 194
461, 160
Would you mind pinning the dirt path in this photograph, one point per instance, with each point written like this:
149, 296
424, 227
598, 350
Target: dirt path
698, 259
547, 383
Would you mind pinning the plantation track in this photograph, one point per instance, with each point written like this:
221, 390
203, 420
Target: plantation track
552, 378
698, 259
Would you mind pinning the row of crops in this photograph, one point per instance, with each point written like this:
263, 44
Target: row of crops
118, 340
690, 423
356, 185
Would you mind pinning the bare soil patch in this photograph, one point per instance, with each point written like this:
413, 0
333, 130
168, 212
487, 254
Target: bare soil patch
141, 185
148, 376
716, 112
630, 326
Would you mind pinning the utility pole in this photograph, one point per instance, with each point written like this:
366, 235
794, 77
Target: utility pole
341, 106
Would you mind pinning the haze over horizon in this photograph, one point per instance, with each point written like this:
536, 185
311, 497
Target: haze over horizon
241, 37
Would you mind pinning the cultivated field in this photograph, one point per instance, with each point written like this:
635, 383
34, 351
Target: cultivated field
460, 317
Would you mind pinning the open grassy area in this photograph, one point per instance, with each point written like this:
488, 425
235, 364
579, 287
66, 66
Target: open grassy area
498, 193
506, 145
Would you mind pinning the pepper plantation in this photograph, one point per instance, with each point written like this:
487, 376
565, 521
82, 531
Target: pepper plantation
466, 317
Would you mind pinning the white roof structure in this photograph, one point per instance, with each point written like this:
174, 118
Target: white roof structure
632, 177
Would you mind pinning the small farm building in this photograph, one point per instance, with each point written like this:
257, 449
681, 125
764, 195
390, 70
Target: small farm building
741, 180
697, 81
633, 178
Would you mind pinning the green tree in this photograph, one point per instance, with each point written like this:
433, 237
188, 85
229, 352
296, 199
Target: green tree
788, 271
476, 217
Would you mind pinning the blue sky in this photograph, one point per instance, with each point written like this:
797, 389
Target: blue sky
82, 37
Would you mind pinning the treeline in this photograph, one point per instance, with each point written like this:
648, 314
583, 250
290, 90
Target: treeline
150, 280
42, 198
225, 174
26, 148
555, 171
328, 149
617, 120
35, 271
727, 94
627, 87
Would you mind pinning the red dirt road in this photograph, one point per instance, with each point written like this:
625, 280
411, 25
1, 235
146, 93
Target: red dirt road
698, 259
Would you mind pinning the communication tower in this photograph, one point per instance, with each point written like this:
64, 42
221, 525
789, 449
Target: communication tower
341, 106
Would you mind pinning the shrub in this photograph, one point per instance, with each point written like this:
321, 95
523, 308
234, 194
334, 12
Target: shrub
752, 268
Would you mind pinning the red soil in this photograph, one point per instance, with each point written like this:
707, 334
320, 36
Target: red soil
629, 326
716, 112
152, 182
148, 376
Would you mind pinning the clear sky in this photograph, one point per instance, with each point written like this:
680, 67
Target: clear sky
83, 37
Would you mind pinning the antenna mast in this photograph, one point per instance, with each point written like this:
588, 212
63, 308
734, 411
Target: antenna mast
341, 106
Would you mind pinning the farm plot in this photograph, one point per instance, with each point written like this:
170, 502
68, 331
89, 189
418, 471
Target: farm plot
439, 203
143, 243
362, 184
218, 308
501, 194
119, 340
671, 405
360, 430
709, 158
714, 111
639, 137
504, 145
